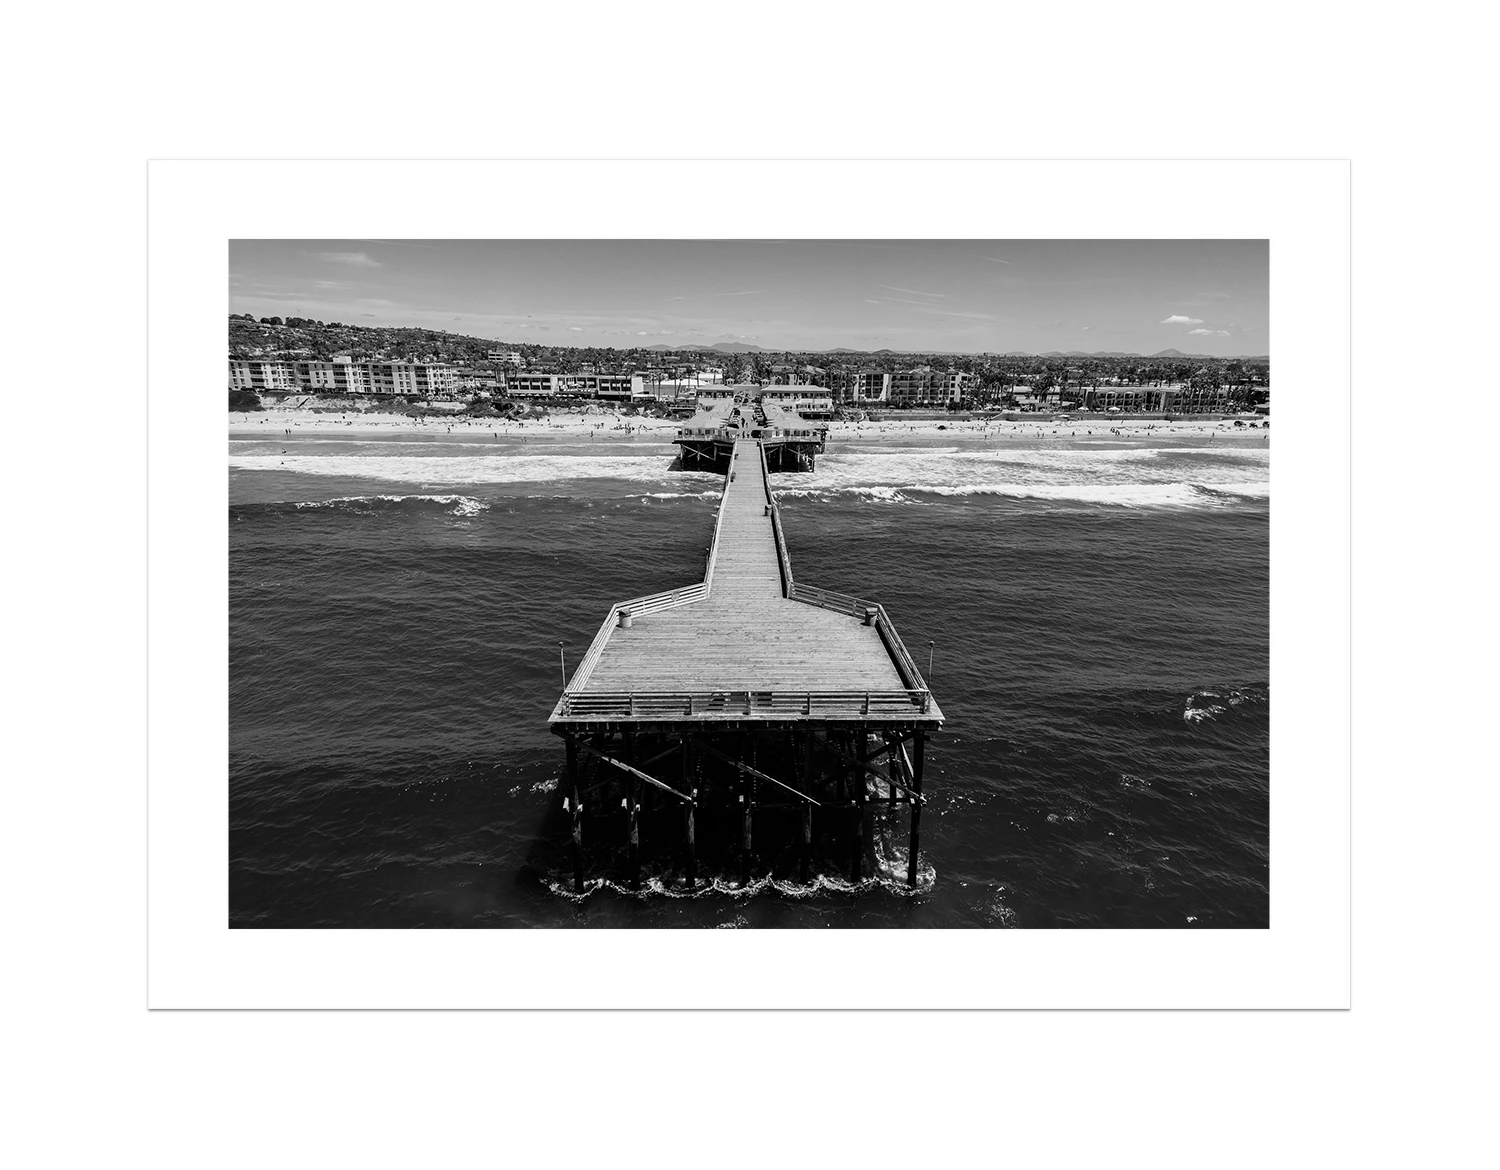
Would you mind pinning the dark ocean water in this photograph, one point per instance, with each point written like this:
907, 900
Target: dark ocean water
1099, 620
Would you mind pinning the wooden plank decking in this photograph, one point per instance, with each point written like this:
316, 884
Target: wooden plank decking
745, 637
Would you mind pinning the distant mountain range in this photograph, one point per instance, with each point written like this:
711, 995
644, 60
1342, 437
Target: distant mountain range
716, 347
1162, 353
745, 347
313, 339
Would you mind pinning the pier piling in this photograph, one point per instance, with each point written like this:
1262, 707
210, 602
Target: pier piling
861, 792
576, 803
747, 804
915, 805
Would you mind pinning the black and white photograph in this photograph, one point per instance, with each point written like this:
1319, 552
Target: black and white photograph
749, 583
643, 583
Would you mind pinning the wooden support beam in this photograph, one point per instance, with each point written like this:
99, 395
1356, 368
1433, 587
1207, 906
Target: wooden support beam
690, 859
577, 811
636, 772
633, 811
890, 780
807, 779
916, 812
662, 755
806, 843
861, 786
746, 768
747, 804
879, 775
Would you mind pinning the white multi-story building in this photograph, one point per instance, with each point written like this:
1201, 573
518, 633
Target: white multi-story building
335, 377
805, 400
611, 387
255, 375
925, 386
865, 386
418, 379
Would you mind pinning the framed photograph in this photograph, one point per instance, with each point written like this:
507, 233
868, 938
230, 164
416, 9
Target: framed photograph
749, 556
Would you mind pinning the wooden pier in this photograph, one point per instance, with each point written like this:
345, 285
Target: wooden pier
748, 693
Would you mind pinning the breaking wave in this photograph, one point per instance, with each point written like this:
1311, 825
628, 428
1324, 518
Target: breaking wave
890, 878
369, 505
1211, 703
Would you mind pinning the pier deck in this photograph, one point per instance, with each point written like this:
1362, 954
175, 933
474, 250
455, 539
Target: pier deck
749, 643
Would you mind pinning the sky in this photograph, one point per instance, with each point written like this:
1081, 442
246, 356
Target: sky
946, 296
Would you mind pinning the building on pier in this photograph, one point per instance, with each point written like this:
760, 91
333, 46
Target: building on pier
789, 441
764, 711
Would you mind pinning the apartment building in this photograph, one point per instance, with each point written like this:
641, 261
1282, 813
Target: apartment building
925, 386
809, 401
335, 377
249, 375
412, 378
418, 379
1173, 399
866, 385
611, 387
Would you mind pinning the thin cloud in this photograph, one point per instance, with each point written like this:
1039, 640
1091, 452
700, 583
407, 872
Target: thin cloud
1210, 332
404, 244
749, 292
357, 259
1217, 296
575, 328
997, 260
847, 244
1178, 319
677, 298
931, 310
916, 292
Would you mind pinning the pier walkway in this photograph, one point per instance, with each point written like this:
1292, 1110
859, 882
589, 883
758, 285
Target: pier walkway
748, 644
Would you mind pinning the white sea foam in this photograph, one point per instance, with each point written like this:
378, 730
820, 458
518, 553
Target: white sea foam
1141, 478
890, 877
461, 505
468, 469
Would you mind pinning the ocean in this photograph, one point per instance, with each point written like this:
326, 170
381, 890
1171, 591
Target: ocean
1096, 608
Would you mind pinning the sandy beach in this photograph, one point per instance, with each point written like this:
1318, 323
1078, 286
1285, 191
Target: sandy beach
570, 424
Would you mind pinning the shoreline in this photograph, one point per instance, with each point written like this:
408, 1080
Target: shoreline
577, 425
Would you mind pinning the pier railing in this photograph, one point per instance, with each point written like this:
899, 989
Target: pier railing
650, 603
782, 556
750, 704
713, 549
872, 610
